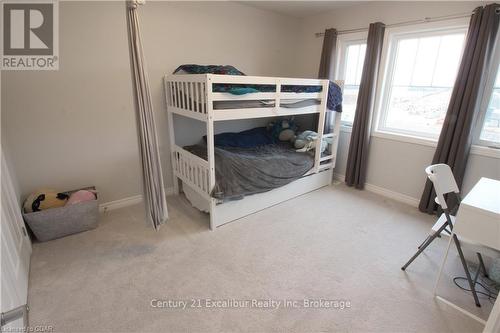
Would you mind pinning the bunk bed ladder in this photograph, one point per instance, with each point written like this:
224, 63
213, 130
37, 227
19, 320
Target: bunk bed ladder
321, 126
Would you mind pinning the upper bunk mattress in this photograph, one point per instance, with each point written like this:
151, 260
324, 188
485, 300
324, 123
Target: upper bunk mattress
245, 171
289, 104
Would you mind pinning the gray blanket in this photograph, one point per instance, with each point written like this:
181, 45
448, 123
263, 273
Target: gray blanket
245, 171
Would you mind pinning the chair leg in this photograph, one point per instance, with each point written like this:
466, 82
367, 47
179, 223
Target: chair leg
425, 240
423, 246
467, 273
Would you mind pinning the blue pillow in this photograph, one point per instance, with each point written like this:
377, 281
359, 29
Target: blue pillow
247, 139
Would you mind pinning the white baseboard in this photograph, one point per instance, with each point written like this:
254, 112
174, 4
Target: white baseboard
384, 192
129, 201
393, 195
121, 203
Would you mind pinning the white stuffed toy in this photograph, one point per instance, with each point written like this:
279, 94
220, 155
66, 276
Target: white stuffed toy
306, 141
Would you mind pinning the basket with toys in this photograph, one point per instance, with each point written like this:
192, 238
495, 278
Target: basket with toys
51, 214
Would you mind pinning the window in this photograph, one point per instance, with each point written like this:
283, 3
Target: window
421, 72
490, 127
350, 68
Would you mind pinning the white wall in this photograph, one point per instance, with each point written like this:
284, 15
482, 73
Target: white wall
394, 165
6, 152
77, 126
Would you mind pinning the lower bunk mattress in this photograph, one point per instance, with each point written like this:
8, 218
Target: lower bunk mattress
245, 171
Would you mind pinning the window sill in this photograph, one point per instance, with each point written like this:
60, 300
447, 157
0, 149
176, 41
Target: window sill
406, 138
485, 151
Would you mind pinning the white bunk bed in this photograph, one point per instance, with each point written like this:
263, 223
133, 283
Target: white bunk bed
192, 96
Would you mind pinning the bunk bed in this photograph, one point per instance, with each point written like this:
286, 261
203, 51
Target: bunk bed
200, 97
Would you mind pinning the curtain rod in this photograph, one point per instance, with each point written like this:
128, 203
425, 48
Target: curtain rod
405, 23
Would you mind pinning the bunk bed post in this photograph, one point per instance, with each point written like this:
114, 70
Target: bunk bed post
171, 133
321, 125
277, 99
210, 148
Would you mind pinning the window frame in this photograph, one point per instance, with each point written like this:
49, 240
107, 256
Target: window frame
343, 42
391, 39
485, 100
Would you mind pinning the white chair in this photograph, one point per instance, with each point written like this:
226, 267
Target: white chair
444, 183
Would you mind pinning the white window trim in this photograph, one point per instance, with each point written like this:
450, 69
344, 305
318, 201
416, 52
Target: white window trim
343, 41
392, 36
407, 138
485, 100
485, 151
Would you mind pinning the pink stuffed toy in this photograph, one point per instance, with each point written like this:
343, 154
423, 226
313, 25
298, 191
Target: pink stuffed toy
81, 196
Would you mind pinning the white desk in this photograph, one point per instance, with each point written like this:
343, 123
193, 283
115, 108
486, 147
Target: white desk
478, 222
478, 218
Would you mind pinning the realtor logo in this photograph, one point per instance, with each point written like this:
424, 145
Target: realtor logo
29, 35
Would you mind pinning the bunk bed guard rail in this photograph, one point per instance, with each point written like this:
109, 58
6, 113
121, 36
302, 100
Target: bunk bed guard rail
192, 96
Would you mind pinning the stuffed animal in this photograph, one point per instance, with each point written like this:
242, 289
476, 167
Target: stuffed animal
305, 141
81, 196
44, 199
326, 144
287, 135
283, 130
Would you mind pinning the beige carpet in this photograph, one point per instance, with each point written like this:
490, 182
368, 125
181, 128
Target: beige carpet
335, 243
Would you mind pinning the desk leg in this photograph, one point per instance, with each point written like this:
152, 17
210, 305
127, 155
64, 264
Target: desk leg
467, 273
442, 264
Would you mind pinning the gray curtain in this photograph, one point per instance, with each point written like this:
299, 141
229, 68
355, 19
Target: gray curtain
327, 68
456, 135
360, 135
154, 191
